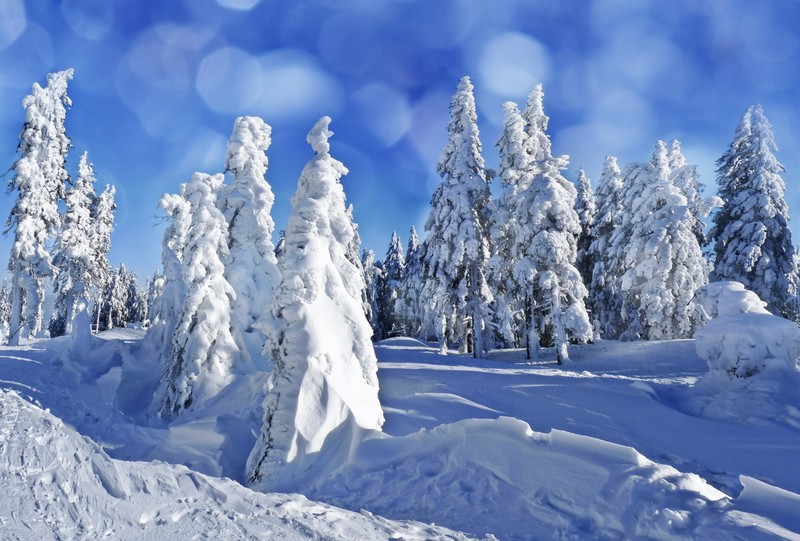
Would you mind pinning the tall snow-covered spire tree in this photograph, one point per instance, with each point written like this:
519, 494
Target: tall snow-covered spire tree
515, 172
203, 354
752, 238
605, 294
409, 306
324, 388
664, 261
165, 308
456, 249
586, 208
39, 179
394, 268
546, 243
103, 212
252, 268
74, 251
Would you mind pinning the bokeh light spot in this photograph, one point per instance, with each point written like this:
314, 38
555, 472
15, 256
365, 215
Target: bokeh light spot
229, 80
384, 111
12, 21
239, 5
90, 19
512, 63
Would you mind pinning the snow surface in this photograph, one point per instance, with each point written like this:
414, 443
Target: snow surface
619, 444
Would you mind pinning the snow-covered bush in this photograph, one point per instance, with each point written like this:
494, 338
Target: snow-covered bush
741, 337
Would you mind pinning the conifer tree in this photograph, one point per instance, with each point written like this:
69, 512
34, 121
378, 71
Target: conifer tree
251, 268
103, 212
74, 251
409, 306
607, 259
456, 249
393, 267
39, 181
319, 296
5, 308
586, 208
752, 238
546, 243
373, 283
203, 355
665, 264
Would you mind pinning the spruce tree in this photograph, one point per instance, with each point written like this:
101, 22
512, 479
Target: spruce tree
545, 246
456, 250
752, 238
203, 355
251, 268
665, 264
409, 306
103, 212
318, 299
74, 251
39, 180
607, 259
586, 208
393, 267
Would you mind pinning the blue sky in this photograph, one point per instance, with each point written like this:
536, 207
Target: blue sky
158, 85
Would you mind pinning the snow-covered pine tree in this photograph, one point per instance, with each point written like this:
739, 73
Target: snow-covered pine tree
456, 249
605, 293
411, 287
394, 267
664, 261
39, 180
5, 308
165, 308
586, 208
155, 290
117, 299
136, 301
545, 246
74, 251
204, 354
324, 389
251, 269
373, 283
515, 172
103, 218
752, 238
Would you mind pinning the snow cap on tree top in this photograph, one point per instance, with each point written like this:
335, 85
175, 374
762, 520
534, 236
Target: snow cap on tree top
319, 134
534, 110
84, 167
250, 139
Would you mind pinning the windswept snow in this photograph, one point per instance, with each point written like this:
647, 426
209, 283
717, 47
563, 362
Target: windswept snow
623, 443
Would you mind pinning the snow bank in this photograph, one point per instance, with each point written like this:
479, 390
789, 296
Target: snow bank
500, 477
60, 485
742, 338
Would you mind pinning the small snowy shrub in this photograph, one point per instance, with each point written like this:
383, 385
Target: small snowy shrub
741, 337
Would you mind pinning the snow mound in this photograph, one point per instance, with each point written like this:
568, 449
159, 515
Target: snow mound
743, 339
558, 485
56, 484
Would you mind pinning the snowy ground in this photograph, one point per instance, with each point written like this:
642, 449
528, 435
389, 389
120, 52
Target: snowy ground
623, 443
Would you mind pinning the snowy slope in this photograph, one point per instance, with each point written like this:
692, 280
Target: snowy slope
622, 443
60, 485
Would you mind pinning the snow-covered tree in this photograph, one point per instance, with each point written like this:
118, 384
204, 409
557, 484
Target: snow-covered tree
103, 212
394, 266
456, 250
545, 243
515, 172
586, 208
155, 290
607, 259
204, 354
664, 261
373, 284
136, 301
324, 389
752, 238
74, 251
408, 305
39, 181
5, 308
165, 308
251, 269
